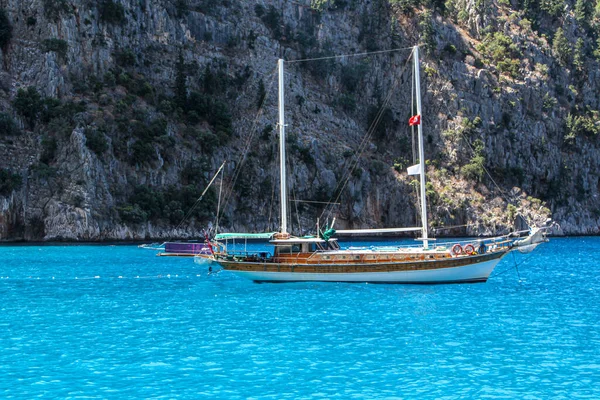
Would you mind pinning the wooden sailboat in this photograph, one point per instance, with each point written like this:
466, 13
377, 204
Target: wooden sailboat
321, 259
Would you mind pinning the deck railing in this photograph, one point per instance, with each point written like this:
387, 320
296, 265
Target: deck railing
374, 254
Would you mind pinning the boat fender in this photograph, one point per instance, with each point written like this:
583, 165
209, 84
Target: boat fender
469, 249
457, 249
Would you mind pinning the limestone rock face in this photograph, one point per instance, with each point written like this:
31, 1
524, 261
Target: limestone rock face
123, 158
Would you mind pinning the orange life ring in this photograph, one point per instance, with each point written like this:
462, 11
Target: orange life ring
457, 249
469, 249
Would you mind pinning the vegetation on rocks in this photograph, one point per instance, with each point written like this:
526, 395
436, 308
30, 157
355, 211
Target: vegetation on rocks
58, 46
5, 29
111, 12
9, 181
161, 92
8, 126
54, 9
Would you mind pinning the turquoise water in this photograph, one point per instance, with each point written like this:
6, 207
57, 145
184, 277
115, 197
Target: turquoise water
116, 322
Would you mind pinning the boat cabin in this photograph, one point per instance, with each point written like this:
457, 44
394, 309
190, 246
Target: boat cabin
285, 245
307, 244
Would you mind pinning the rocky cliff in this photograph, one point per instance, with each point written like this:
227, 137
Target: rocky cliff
114, 115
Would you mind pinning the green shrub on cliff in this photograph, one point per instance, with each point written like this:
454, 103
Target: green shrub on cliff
8, 125
475, 169
406, 5
427, 31
147, 203
271, 18
9, 182
352, 75
553, 8
58, 46
57, 116
5, 29
28, 103
562, 48
125, 57
499, 49
142, 152
216, 112
182, 8
53, 9
111, 12
49, 149
581, 125
96, 140
133, 214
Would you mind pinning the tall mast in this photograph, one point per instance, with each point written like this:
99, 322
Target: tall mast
421, 151
282, 149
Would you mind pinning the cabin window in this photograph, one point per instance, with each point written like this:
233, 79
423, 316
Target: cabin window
295, 248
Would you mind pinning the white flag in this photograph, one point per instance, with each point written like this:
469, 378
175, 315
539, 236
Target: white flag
415, 170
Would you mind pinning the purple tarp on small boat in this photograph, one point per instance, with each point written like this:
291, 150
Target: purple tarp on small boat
186, 248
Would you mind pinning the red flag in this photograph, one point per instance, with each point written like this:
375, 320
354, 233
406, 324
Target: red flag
414, 120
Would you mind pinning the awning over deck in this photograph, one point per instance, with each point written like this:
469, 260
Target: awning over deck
243, 236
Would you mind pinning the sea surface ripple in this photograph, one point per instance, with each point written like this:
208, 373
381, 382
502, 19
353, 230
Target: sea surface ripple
117, 322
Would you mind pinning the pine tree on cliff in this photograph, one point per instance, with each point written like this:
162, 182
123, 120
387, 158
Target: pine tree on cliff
180, 83
581, 12
578, 55
5, 29
561, 48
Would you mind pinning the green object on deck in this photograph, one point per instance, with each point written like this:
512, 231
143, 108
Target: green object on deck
328, 234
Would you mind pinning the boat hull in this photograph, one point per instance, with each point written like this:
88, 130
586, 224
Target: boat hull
185, 249
457, 270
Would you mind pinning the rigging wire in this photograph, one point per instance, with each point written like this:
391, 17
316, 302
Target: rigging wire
200, 198
363, 145
229, 191
242, 159
350, 55
361, 149
447, 228
297, 213
271, 206
218, 206
512, 267
506, 196
502, 192
516, 266
315, 202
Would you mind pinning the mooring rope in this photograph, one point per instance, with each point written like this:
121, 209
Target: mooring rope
99, 277
515, 266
